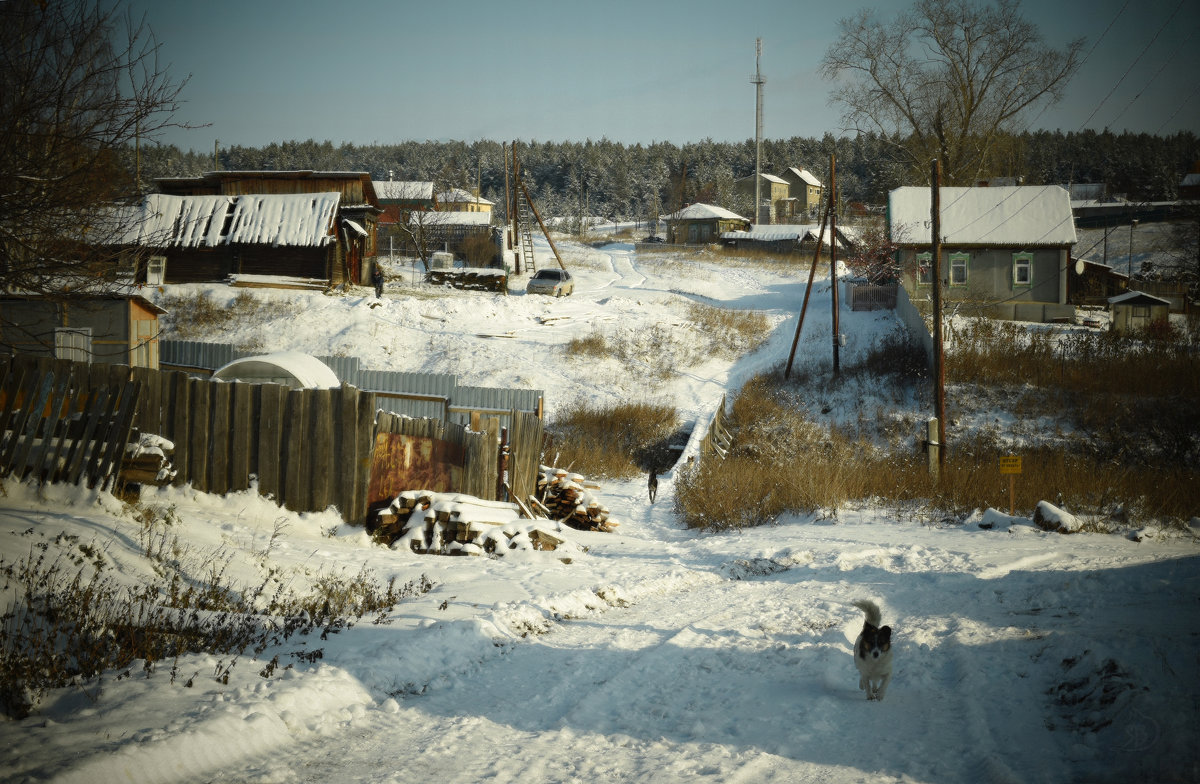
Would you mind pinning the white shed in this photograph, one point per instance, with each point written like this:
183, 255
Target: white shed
289, 368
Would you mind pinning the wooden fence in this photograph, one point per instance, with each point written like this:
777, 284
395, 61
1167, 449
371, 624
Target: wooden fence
717, 440
308, 448
62, 421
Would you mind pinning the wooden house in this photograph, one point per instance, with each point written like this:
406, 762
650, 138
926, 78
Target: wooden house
774, 193
397, 198
1134, 311
1005, 250
337, 256
804, 193
108, 329
700, 224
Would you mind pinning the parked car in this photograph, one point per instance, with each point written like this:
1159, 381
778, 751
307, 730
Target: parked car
653, 238
551, 281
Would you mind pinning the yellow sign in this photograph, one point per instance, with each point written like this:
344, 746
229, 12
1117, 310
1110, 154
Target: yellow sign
1010, 465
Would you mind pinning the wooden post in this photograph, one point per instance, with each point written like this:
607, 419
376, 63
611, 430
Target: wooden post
939, 363
812, 272
837, 365
933, 448
240, 435
320, 453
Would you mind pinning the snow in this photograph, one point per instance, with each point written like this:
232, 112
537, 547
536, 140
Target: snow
703, 212
301, 219
651, 654
1023, 215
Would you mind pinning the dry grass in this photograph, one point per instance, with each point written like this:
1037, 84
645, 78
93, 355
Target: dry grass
198, 316
617, 441
1134, 454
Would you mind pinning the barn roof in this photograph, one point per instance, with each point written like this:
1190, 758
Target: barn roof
1016, 216
1137, 298
300, 219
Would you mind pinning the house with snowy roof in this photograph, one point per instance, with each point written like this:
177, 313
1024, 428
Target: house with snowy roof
1006, 250
699, 224
397, 198
460, 200
774, 192
303, 224
804, 192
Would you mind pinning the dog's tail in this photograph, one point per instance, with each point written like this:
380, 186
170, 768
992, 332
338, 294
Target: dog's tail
874, 617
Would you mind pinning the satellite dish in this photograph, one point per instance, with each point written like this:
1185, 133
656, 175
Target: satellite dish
1079, 266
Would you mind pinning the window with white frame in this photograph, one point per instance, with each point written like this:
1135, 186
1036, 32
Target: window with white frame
958, 268
924, 269
74, 343
1022, 270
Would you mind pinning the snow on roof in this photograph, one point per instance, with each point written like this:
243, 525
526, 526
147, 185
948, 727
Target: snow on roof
459, 195
302, 219
1190, 179
704, 212
1137, 296
355, 227
452, 218
782, 232
290, 368
1020, 215
414, 190
805, 175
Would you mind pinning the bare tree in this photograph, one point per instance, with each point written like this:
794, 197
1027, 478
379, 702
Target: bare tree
81, 82
945, 79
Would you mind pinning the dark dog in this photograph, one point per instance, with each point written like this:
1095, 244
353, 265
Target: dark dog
653, 484
873, 652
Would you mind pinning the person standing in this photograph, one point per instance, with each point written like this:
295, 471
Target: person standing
377, 279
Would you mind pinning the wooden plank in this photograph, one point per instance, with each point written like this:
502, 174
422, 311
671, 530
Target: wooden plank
294, 465
364, 446
73, 465
218, 438
47, 470
31, 417
272, 401
198, 428
95, 447
114, 450
11, 394
240, 436
177, 419
345, 449
148, 416
320, 448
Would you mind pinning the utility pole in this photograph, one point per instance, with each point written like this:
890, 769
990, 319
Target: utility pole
216, 147
758, 80
837, 365
812, 273
939, 364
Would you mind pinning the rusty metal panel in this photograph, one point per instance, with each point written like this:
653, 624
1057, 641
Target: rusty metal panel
402, 462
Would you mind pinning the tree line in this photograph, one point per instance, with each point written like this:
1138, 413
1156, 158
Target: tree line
639, 181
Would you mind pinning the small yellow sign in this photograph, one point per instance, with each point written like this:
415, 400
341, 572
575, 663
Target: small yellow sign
1010, 465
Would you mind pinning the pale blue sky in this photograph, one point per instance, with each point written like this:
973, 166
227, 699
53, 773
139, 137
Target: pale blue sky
367, 71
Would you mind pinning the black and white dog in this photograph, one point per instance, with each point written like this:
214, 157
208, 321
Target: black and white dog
873, 652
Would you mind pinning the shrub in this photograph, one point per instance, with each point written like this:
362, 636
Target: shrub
615, 441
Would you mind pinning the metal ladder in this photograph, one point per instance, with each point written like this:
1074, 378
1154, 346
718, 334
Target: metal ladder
524, 223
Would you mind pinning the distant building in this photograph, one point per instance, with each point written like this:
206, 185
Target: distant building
804, 192
700, 224
111, 329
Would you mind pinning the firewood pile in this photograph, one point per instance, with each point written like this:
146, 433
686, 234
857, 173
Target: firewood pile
456, 524
148, 461
567, 498
470, 278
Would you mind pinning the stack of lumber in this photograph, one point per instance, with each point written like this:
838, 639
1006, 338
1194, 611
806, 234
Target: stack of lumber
567, 498
277, 282
471, 278
148, 461
451, 523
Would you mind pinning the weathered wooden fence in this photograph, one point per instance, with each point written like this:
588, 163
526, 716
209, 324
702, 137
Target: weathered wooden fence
717, 441
308, 448
63, 421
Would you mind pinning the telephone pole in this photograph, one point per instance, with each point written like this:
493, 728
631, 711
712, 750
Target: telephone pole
939, 364
758, 80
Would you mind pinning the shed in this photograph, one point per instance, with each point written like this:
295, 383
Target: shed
1136, 310
288, 368
702, 223
111, 329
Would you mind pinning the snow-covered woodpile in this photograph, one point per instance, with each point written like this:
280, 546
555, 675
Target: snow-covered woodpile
456, 524
148, 461
567, 498
470, 278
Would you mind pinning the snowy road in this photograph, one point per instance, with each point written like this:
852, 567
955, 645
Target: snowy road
735, 665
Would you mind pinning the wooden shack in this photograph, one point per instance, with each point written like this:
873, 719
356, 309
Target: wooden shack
1135, 310
110, 329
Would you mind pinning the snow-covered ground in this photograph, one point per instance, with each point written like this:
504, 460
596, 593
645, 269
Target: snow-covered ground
652, 654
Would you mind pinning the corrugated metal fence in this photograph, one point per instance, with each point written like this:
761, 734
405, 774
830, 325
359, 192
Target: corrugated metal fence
420, 395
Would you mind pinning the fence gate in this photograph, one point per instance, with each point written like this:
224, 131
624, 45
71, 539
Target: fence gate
62, 422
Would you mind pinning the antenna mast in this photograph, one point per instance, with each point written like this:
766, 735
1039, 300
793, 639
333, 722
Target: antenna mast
758, 80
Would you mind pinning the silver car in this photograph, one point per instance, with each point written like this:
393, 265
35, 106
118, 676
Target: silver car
551, 281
